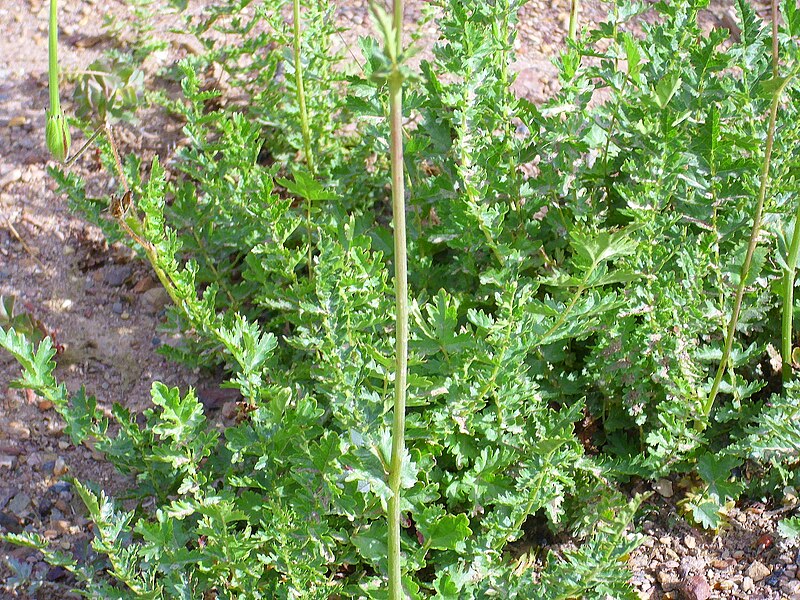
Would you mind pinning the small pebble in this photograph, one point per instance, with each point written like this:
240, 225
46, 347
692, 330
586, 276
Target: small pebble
116, 308
697, 588
116, 276
60, 487
59, 467
747, 584
17, 430
7, 462
757, 571
664, 488
667, 580
44, 404
725, 584
20, 505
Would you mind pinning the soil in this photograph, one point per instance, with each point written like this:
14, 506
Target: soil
104, 307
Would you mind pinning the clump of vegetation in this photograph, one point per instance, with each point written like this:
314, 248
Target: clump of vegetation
593, 289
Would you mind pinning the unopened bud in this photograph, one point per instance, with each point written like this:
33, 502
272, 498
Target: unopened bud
57, 134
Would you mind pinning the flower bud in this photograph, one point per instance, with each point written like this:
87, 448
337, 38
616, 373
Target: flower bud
57, 135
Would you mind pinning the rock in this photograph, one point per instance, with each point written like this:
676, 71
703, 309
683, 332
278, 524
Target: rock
44, 404
10, 450
719, 564
156, 298
690, 565
696, 588
725, 584
7, 462
690, 542
61, 526
9, 523
144, 284
59, 467
116, 308
668, 581
18, 430
664, 488
747, 584
116, 276
60, 487
10, 177
757, 571
20, 505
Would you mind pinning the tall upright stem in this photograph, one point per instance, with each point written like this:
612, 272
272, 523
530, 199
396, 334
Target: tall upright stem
301, 101
401, 310
52, 55
788, 300
748, 259
574, 9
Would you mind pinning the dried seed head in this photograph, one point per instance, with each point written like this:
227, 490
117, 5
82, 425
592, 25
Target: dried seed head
57, 135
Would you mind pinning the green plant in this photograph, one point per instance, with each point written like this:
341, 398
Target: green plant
578, 275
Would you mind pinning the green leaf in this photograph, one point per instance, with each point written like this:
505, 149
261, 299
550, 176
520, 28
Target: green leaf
791, 16
181, 418
707, 514
596, 248
305, 186
442, 531
715, 469
371, 543
633, 56
666, 88
789, 528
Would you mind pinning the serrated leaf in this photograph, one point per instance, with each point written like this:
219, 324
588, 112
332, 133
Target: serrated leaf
443, 532
707, 514
306, 186
666, 88
789, 528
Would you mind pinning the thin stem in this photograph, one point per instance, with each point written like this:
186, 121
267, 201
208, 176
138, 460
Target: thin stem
52, 54
775, 38
574, 8
401, 309
301, 101
748, 259
788, 301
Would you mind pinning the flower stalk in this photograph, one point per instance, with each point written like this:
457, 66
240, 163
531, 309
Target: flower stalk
56, 129
780, 86
301, 102
392, 31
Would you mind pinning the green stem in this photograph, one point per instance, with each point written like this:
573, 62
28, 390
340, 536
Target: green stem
301, 101
573, 18
788, 300
52, 53
401, 309
748, 259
